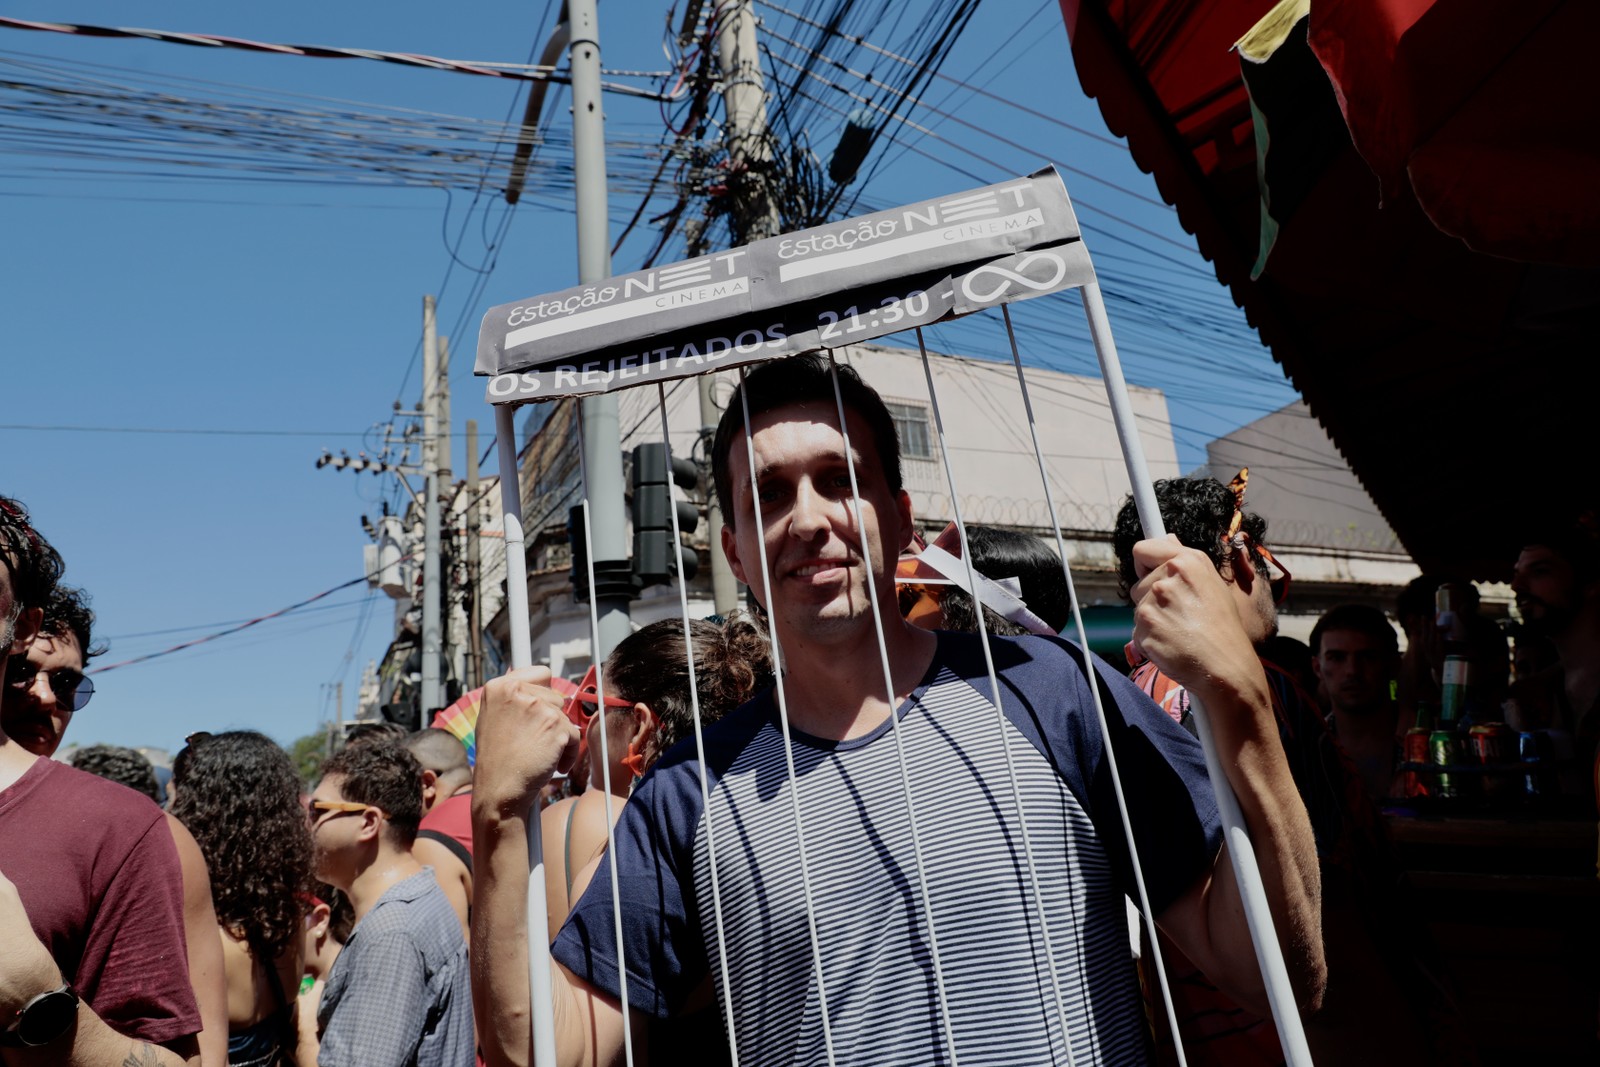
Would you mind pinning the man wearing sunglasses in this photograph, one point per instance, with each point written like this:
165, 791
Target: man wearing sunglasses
91, 910
44, 685
1366, 971
399, 993
44, 681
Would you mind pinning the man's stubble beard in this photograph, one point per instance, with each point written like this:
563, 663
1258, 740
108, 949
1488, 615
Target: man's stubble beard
839, 617
1550, 620
1364, 710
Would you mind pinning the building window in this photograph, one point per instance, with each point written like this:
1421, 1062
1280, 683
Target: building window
911, 423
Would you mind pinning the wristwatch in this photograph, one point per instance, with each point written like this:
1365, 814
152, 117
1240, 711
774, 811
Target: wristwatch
42, 1020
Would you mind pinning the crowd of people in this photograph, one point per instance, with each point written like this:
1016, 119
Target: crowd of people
909, 850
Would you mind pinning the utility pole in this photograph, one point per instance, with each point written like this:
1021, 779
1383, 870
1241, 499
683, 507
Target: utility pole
446, 479
336, 727
724, 587
474, 566
744, 98
602, 432
449, 639
755, 215
431, 691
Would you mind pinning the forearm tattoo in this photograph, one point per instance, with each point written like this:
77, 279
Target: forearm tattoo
143, 1056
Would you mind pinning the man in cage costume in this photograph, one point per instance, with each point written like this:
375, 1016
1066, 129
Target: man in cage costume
850, 879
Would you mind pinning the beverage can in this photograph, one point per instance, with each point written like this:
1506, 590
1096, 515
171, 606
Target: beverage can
1491, 743
1445, 751
1534, 751
1416, 783
1491, 746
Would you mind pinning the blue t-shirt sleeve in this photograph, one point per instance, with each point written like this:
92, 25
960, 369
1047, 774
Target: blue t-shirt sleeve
1171, 806
661, 944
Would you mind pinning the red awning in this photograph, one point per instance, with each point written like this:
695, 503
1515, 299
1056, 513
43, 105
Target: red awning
1484, 111
1448, 377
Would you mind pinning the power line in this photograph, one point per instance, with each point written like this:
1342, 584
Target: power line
1078, 202
951, 117
168, 631
231, 630
862, 42
408, 59
184, 431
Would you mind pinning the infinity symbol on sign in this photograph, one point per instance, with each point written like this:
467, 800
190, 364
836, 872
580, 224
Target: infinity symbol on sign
1009, 276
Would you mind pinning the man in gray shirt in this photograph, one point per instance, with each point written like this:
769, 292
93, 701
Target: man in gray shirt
400, 992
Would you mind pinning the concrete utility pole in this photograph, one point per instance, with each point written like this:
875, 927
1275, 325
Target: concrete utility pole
446, 480
602, 433
449, 639
724, 587
474, 566
336, 727
744, 97
431, 694
755, 215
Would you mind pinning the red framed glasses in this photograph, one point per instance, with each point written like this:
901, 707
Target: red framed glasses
1277, 582
581, 706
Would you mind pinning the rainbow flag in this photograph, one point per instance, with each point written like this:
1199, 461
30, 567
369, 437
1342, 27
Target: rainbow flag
461, 718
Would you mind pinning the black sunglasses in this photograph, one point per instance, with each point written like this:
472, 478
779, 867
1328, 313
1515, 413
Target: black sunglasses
72, 688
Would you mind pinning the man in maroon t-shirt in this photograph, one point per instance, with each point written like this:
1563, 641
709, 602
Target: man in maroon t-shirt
46, 689
92, 961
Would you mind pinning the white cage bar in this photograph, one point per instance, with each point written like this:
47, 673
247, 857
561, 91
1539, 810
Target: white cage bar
818, 290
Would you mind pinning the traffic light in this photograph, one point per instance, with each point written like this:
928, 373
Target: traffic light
654, 561
404, 714
578, 540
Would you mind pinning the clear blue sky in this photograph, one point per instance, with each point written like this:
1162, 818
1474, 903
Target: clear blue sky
177, 299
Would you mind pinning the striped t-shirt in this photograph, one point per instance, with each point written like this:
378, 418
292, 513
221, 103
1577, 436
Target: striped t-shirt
1023, 971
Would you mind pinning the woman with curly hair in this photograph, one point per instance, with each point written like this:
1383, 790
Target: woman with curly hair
648, 674
239, 796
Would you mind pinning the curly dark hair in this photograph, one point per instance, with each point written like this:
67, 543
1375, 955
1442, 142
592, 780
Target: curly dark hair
1198, 511
125, 766
180, 762
802, 380
731, 663
386, 775
33, 565
67, 611
998, 554
240, 798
